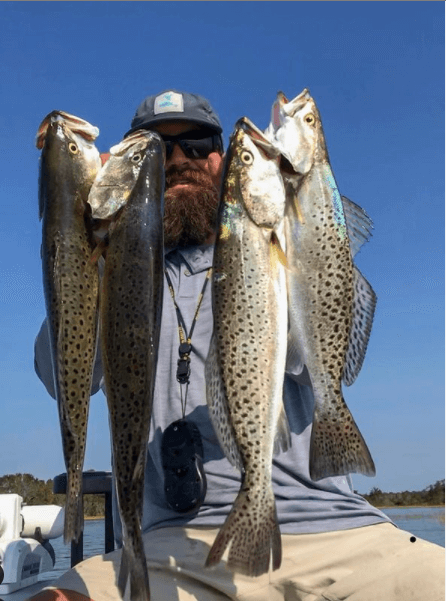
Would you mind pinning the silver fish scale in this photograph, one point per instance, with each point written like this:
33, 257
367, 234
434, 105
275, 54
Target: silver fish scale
322, 279
244, 299
76, 324
330, 280
331, 304
245, 351
244, 369
130, 367
131, 305
73, 331
68, 166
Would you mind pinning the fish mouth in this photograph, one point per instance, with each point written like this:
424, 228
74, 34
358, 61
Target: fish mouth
139, 139
291, 107
78, 125
258, 138
68, 124
286, 167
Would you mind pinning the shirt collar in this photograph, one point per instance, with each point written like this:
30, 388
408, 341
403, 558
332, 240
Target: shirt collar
197, 258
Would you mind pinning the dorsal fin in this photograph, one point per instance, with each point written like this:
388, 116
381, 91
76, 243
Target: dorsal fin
359, 224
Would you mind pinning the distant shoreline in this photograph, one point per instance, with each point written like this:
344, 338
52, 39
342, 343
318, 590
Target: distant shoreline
414, 506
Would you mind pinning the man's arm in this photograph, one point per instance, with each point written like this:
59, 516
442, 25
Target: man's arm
43, 363
300, 375
295, 367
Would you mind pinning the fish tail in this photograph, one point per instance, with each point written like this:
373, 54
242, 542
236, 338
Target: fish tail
74, 508
254, 534
337, 447
134, 567
123, 572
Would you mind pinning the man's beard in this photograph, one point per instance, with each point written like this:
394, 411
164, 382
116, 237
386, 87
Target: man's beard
190, 214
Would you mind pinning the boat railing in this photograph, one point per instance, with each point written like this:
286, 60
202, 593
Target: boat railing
93, 483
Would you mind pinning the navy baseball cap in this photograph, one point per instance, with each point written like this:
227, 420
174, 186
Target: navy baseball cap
173, 104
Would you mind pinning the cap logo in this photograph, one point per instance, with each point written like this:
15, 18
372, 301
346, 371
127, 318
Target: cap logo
169, 102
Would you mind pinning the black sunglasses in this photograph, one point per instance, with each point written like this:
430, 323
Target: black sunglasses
195, 145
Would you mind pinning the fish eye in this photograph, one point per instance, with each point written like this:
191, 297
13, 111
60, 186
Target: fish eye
72, 147
136, 157
309, 118
246, 157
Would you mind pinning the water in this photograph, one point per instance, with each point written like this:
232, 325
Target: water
422, 522
94, 537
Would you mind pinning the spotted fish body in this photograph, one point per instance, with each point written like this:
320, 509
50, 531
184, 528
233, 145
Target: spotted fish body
68, 165
131, 304
331, 305
246, 362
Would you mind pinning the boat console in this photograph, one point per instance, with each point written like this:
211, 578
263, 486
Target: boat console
25, 550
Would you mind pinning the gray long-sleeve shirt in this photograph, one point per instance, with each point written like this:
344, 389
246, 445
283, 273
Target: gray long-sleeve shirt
303, 506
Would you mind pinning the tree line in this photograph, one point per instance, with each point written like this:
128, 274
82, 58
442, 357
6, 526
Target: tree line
40, 492
431, 495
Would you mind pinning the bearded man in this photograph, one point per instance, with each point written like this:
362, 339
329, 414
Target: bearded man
335, 544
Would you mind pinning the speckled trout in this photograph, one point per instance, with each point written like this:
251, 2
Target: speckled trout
68, 165
131, 302
331, 304
246, 362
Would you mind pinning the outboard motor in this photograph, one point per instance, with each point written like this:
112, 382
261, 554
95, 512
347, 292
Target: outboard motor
25, 551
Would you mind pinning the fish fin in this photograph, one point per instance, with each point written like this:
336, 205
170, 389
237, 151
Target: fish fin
251, 541
282, 441
124, 571
74, 507
297, 210
337, 447
134, 567
218, 406
99, 249
363, 310
359, 225
277, 252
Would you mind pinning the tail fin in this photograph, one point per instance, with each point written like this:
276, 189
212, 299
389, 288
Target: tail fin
74, 508
134, 566
123, 571
253, 529
337, 446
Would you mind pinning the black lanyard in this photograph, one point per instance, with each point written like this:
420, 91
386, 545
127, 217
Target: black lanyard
185, 347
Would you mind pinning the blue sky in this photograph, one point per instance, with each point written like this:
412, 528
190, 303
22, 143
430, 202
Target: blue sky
376, 71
